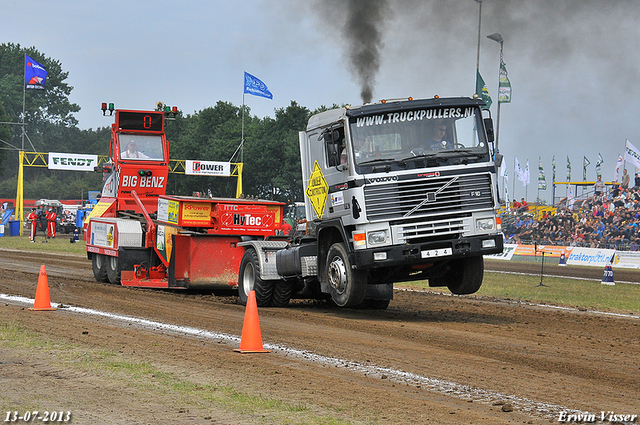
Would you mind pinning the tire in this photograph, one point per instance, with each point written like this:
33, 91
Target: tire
347, 286
113, 270
379, 304
374, 304
282, 291
249, 280
465, 276
99, 266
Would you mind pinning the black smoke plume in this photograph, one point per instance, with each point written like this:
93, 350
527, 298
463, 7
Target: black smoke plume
362, 32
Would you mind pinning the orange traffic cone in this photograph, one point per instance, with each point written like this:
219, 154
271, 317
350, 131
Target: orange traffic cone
251, 341
42, 302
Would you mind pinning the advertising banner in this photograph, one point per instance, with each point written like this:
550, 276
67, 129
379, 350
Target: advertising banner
72, 161
207, 168
590, 257
537, 250
626, 260
507, 252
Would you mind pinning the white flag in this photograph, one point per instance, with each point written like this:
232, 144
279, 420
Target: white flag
570, 199
631, 154
506, 196
526, 177
616, 174
518, 171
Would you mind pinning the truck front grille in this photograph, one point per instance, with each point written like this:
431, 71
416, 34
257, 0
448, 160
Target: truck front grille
431, 230
429, 206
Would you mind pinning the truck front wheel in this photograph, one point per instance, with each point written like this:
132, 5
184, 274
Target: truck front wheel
249, 280
99, 266
347, 286
465, 276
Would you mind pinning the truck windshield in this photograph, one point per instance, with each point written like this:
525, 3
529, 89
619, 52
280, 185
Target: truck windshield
141, 147
414, 133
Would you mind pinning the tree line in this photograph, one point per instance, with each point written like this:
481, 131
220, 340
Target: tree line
271, 154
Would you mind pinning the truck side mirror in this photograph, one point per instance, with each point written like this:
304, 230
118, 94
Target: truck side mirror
497, 158
488, 125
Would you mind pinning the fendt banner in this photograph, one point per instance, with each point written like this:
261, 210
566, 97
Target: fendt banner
72, 161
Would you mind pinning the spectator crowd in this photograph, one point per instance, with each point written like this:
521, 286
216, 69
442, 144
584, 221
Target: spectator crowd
605, 220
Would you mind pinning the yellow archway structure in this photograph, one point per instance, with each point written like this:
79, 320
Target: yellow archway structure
41, 159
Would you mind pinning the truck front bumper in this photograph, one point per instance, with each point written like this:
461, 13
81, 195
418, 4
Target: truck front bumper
428, 252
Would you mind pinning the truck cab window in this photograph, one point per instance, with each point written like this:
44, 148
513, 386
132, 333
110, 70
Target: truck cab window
334, 146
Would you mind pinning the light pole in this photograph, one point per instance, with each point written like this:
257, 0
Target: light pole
498, 38
479, 26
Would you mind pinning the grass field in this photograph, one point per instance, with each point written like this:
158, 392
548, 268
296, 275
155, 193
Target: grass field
59, 244
558, 291
622, 298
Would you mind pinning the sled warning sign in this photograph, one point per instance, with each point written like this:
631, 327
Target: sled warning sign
317, 190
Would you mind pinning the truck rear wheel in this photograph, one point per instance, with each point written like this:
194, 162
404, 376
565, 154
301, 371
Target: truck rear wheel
249, 280
465, 276
113, 270
282, 291
347, 286
99, 266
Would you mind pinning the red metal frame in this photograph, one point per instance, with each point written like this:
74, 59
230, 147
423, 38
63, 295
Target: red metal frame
201, 247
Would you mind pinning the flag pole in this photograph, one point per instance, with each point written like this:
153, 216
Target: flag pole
624, 157
514, 179
20, 191
526, 188
479, 31
538, 195
242, 137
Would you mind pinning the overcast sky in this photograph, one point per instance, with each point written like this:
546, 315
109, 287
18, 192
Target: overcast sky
574, 65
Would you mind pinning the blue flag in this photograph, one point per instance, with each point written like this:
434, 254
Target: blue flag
35, 76
254, 86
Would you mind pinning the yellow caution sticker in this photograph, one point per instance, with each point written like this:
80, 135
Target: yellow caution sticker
317, 190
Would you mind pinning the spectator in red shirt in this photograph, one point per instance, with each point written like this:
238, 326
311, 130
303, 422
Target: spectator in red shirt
524, 207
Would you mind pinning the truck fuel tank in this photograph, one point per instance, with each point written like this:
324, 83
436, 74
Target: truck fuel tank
298, 260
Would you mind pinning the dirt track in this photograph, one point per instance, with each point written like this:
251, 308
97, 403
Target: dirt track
446, 359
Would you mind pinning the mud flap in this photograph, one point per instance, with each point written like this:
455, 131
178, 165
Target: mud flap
381, 291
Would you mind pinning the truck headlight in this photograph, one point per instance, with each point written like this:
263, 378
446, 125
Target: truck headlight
486, 224
377, 238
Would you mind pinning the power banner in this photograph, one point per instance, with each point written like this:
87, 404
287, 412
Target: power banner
207, 168
72, 161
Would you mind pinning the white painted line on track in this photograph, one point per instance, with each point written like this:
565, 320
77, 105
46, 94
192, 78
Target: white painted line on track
449, 388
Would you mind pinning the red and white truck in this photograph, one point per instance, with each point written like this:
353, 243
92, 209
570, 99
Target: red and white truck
385, 202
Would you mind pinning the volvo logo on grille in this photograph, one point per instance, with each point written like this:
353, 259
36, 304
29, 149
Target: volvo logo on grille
431, 197
382, 179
